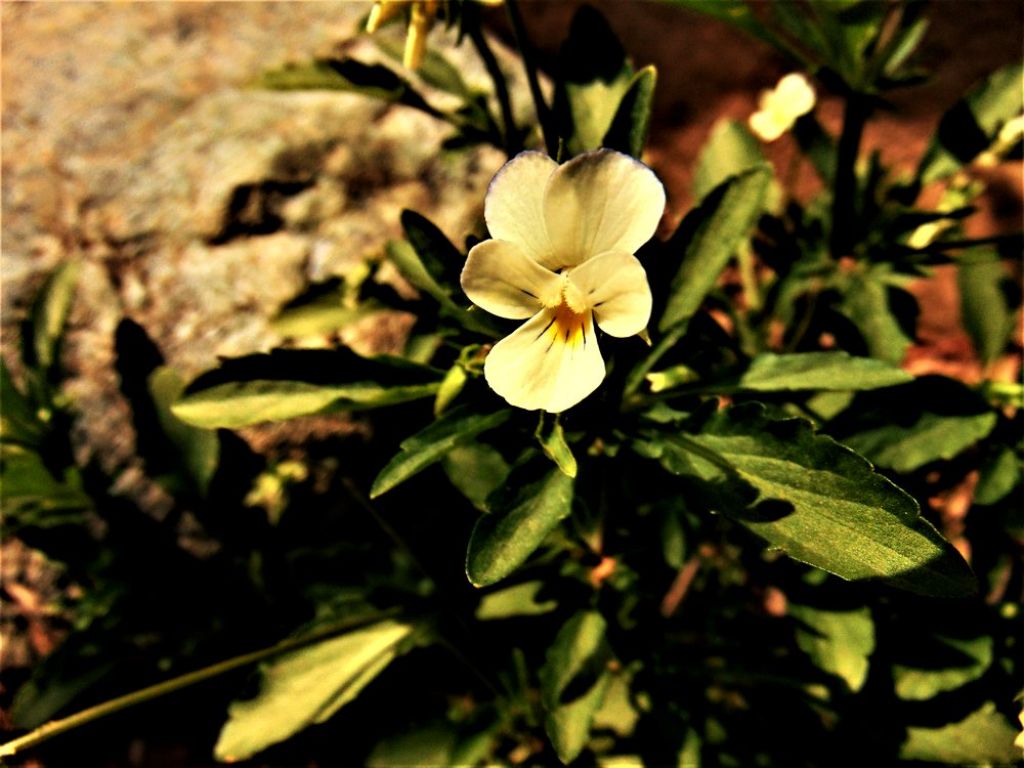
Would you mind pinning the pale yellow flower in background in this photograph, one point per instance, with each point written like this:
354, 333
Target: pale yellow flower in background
780, 107
422, 14
561, 258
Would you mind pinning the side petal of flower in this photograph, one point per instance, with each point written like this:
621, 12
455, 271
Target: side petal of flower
614, 285
768, 125
513, 208
601, 201
536, 368
501, 279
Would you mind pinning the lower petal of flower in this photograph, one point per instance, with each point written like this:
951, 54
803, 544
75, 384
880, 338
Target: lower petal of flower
550, 363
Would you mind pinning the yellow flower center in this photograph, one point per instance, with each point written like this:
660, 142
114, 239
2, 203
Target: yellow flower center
569, 326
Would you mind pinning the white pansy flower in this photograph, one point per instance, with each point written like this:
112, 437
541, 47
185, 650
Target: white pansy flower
779, 108
561, 258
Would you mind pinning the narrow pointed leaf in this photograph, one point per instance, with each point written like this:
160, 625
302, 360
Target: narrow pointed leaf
723, 221
915, 684
971, 125
729, 150
551, 437
243, 403
826, 371
931, 438
408, 261
984, 737
503, 539
429, 446
628, 131
441, 259
839, 642
844, 518
197, 449
18, 420
985, 292
307, 686
578, 659
49, 313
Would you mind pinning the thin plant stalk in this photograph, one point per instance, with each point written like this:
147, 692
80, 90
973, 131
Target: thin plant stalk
544, 115
56, 727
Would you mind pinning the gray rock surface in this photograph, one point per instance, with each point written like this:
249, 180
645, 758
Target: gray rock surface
134, 141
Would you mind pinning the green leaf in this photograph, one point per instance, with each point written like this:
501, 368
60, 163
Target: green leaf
932, 437
618, 712
431, 745
441, 259
32, 495
721, 223
596, 77
983, 737
844, 518
577, 659
48, 315
451, 386
434, 69
457, 427
409, 263
503, 539
326, 315
477, 470
913, 684
866, 304
243, 403
317, 75
468, 742
198, 449
972, 124
987, 314
517, 600
374, 80
839, 642
307, 686
730, 150
551, 437
826, 371
817, 146
999, 475
628, 131
19, 422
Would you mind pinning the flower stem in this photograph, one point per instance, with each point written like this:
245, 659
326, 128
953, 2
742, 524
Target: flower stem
544, 115
56, 727
510, 132
843, 203
637, 375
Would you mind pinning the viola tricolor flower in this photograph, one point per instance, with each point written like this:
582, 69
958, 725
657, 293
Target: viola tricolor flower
780, 107
561, 258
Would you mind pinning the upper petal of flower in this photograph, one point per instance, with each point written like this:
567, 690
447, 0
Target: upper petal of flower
600, 201
614, 285
551, 363
794, 95
514, 206
501, 279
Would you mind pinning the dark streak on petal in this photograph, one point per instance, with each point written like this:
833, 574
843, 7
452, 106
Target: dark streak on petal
545, 329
